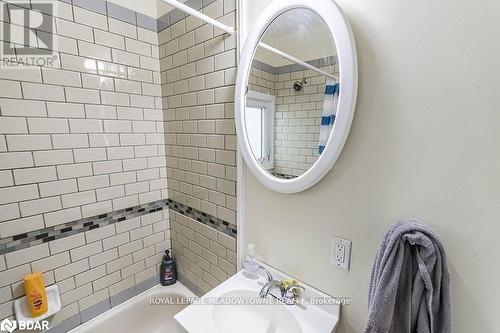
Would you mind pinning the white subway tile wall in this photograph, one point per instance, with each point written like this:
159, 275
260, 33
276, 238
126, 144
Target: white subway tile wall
198, 65
205, 257
82, 139
75, 123
103, 131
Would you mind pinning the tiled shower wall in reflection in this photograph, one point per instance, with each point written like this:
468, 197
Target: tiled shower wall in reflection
198, 64
298, 113
82, 139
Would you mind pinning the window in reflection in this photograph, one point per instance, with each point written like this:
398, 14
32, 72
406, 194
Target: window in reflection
259, 117
255, 130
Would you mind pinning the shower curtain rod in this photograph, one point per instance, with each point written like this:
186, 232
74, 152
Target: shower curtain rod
201, 16
296, 60
230, 30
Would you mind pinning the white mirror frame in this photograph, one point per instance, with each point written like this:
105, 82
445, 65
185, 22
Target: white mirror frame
333, 16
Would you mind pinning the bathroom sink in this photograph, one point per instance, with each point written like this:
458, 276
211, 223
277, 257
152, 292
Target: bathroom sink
263, 317
235, 306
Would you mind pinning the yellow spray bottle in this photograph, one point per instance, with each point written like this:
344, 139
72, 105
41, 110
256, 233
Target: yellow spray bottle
35, 294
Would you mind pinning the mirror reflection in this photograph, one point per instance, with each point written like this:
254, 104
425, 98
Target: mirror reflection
292, 93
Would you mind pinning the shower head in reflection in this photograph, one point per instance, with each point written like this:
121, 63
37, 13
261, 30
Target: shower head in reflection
297, 85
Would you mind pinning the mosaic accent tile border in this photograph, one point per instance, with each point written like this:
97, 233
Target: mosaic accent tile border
207, 219
25, 240
21, 241
322, 62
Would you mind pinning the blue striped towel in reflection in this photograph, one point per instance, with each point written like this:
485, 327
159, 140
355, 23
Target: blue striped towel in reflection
329, 113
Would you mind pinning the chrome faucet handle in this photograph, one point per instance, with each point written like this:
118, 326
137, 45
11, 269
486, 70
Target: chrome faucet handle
289, 296
291, 287
269, 276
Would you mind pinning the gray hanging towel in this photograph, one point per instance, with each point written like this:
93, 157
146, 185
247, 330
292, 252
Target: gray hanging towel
410, 284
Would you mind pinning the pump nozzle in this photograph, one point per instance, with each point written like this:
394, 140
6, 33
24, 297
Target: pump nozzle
251, 250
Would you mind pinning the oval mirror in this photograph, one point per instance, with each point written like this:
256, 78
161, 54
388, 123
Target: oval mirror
295, 93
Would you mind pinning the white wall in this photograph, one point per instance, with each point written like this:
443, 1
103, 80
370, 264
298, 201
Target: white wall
425, 143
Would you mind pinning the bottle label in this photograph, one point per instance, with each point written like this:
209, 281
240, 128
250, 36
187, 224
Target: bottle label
168, 275
36, 300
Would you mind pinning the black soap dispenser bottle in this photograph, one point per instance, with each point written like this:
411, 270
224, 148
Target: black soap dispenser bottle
168, 271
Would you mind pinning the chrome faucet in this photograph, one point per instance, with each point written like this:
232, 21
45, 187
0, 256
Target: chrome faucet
269, 275
270, 284
287, 295
264, 292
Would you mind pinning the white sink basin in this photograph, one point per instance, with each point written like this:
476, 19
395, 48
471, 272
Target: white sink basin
235, 306
264, 318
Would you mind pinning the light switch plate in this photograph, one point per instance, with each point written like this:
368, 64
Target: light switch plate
340, 254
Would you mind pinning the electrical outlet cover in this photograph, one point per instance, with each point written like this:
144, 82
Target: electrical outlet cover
340, 255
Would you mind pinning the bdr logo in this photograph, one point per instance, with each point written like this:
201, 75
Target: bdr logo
8, 325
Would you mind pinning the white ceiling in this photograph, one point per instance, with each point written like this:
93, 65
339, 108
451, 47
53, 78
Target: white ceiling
164, 8
153, 8
292, 21
300, 33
